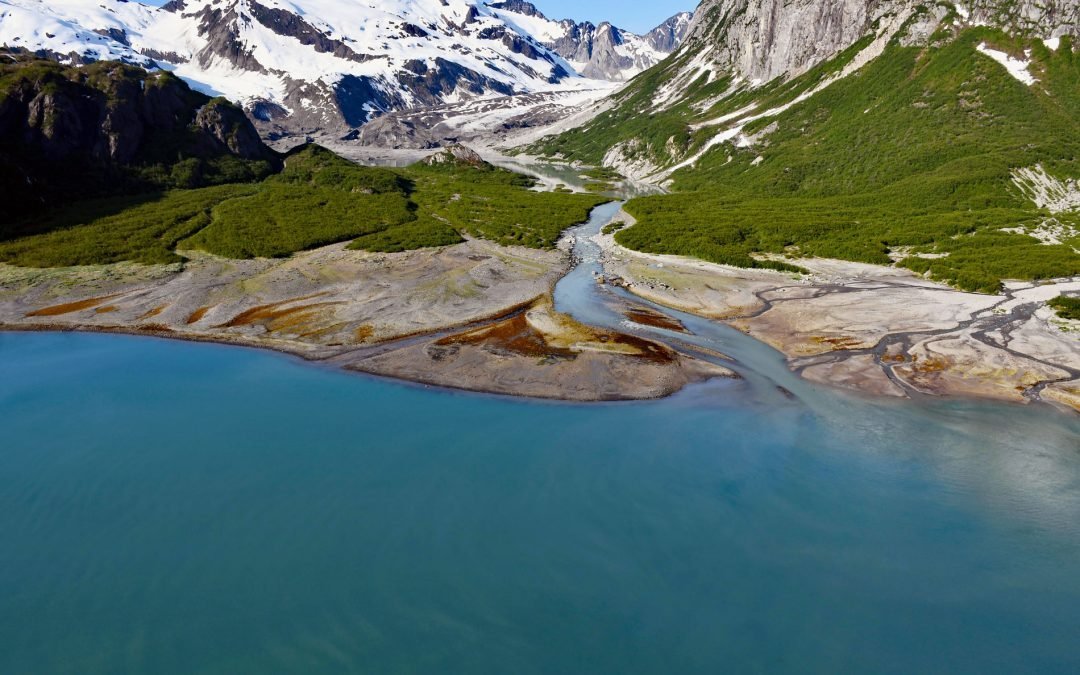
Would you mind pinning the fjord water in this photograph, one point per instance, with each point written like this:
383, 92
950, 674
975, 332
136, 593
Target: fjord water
170, 507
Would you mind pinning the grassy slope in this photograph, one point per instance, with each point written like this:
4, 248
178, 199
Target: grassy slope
317, 199
915, 150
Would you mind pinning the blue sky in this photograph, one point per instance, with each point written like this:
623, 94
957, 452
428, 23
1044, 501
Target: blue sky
631, 15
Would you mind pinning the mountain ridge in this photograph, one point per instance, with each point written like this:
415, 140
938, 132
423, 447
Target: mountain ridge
304, 66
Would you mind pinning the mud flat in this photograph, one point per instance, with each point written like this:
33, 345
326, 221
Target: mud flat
473, 316
543, 354
879, 330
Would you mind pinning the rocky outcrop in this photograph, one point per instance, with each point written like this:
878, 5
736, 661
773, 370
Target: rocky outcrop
67, 130
669, 35
457, 155
228, 129
1040, 18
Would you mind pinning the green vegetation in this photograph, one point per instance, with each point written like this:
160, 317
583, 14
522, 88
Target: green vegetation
143, 229
317, 199
1067, 307
492, 204
913, 154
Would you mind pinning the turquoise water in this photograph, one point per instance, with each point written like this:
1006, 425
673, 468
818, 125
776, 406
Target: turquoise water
168, 507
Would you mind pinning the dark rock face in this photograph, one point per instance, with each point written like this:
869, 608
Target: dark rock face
222, 32
227, 127
290, 25
428, 83
117, 34
518, 6
356, 97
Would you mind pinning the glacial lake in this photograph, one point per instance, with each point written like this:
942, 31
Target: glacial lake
170, 507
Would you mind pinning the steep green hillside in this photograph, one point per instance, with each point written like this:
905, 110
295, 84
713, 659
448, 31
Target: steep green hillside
913, 155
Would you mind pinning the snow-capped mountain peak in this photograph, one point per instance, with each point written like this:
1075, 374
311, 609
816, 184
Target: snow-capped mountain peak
601, 51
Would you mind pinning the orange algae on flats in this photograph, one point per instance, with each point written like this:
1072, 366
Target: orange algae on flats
198, 315
364, 333
70, 307
153, 312
647, 317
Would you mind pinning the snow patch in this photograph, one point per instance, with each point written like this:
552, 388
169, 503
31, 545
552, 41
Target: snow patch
1017, 68
1052, 43
1046, 191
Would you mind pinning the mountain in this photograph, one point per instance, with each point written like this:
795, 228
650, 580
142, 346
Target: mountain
301, 66
945, 137
111, 128
602, 52
738, 53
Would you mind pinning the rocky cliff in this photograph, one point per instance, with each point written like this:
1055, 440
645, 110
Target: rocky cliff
764, 39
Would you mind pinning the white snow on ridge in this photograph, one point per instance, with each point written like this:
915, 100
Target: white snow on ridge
455, 32
1016, 67
1052, 43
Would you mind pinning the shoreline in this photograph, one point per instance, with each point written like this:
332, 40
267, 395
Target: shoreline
330, 362
919, 398
479, 317
876, 330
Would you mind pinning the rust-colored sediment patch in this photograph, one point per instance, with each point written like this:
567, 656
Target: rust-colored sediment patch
364, 333
930, 365
276, 317
516, 336
838, 343
198, 314
155, 328
153, 312
647, 317
69, 307
107, 309
511, 336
